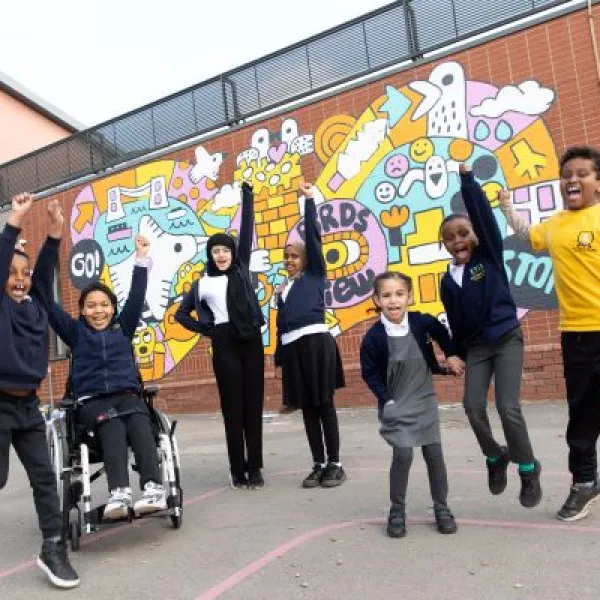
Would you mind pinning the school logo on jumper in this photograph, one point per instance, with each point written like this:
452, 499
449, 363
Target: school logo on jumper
386, 175
585, 239
477, 273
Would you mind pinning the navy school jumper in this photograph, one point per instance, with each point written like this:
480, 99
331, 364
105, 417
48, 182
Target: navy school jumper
374, 352
484, 307
24, 325
305, 302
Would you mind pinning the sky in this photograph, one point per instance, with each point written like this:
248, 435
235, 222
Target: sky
96, 59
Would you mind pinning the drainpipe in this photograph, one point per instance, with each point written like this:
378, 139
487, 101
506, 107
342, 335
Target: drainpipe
594, 42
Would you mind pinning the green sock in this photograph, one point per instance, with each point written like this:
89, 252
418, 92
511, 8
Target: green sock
526, 467
493, 459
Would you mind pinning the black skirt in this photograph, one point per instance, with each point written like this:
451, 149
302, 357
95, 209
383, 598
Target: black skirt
311, 369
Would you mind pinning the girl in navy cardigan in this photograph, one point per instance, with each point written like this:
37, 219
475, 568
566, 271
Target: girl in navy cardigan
483, 318
306, 352
397, 360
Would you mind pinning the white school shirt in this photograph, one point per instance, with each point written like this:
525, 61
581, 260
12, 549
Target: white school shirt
292, 336
456, 272
396, 329
213, 290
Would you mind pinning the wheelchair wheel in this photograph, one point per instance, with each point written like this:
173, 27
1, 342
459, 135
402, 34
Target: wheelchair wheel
176, 514
74, 535
59, 458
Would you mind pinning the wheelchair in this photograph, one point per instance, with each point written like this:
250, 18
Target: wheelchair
75, 452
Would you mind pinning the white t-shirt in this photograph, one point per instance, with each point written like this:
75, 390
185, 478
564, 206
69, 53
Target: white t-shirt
292, 336
213, 290
456, 272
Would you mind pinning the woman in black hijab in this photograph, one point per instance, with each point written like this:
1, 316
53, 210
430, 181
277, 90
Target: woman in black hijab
228, 311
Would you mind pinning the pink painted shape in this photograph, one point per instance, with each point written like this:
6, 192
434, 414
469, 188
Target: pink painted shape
276, 153
121, 234
335, 182
86, 195
545, 195
478, 91
521, 195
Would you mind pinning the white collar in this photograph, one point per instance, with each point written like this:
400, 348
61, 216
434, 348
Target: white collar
396, 329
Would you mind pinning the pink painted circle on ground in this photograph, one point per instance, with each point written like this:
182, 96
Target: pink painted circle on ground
396, 166
351, 235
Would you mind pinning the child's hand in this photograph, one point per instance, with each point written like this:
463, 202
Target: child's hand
57, 218
504, 198
455, 365
142, 246
307, 189
21, 204
464, 168
246, 186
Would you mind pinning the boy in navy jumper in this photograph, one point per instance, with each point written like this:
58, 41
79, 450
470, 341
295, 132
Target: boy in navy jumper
25, 298
397, 360
486, 332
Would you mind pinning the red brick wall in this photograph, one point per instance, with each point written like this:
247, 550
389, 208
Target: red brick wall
558, 54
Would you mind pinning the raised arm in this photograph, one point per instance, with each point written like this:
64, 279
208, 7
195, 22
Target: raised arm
132, 310
315, 263
481, 214
20, 207
63, 324
244, 250
42, 282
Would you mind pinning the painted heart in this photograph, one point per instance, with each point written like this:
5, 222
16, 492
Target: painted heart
276, 153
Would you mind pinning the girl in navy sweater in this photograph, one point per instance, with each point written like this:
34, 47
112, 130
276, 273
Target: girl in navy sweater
229, 313
307, 356
486, 332
105, 379
397, 360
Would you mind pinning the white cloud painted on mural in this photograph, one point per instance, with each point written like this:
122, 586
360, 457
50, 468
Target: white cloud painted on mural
529, 98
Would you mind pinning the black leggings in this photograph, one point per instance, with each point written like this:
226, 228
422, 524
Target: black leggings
239, 371
322, 422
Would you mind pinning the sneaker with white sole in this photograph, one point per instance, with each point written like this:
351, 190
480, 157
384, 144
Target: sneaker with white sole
53, 560
118, 505
153, 499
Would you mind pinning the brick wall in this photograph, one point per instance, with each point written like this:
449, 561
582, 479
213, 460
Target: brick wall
558, 54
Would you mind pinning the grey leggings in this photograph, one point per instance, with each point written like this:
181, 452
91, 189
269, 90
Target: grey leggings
503, 359
436, 469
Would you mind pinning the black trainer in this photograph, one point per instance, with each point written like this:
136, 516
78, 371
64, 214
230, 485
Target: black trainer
444, 520
255, 479
578, 504
333, 476
396, 526
53, 560
497, 472
314, 478
238, 482
531, 490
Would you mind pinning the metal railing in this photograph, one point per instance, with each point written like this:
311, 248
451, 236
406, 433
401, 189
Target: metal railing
401, 31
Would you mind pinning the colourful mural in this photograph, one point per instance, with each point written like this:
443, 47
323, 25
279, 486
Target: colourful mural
389, 177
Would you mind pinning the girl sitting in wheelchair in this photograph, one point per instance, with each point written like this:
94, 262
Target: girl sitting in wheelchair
106, 384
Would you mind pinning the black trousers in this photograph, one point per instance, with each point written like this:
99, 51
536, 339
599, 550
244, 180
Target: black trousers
115, 434
581, 360
239, 367
22, 425
436, 469
321, 422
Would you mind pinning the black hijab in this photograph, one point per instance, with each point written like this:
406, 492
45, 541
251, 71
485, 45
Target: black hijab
238, 303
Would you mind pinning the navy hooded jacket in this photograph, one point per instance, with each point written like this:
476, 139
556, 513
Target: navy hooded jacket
103, 361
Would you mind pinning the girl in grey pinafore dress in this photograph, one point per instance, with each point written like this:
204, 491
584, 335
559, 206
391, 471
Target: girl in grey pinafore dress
411, 419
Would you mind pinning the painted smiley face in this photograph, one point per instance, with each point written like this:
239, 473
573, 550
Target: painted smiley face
421, 149
396, 166
385, 192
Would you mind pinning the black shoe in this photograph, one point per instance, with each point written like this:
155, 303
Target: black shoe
531, 490
444, 520
314, 479
497, 472
238, 482
333, 476
53, 560
396, 526
255, 479
578, 504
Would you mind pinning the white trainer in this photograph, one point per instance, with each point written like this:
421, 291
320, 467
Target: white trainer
153, 499
119, 502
